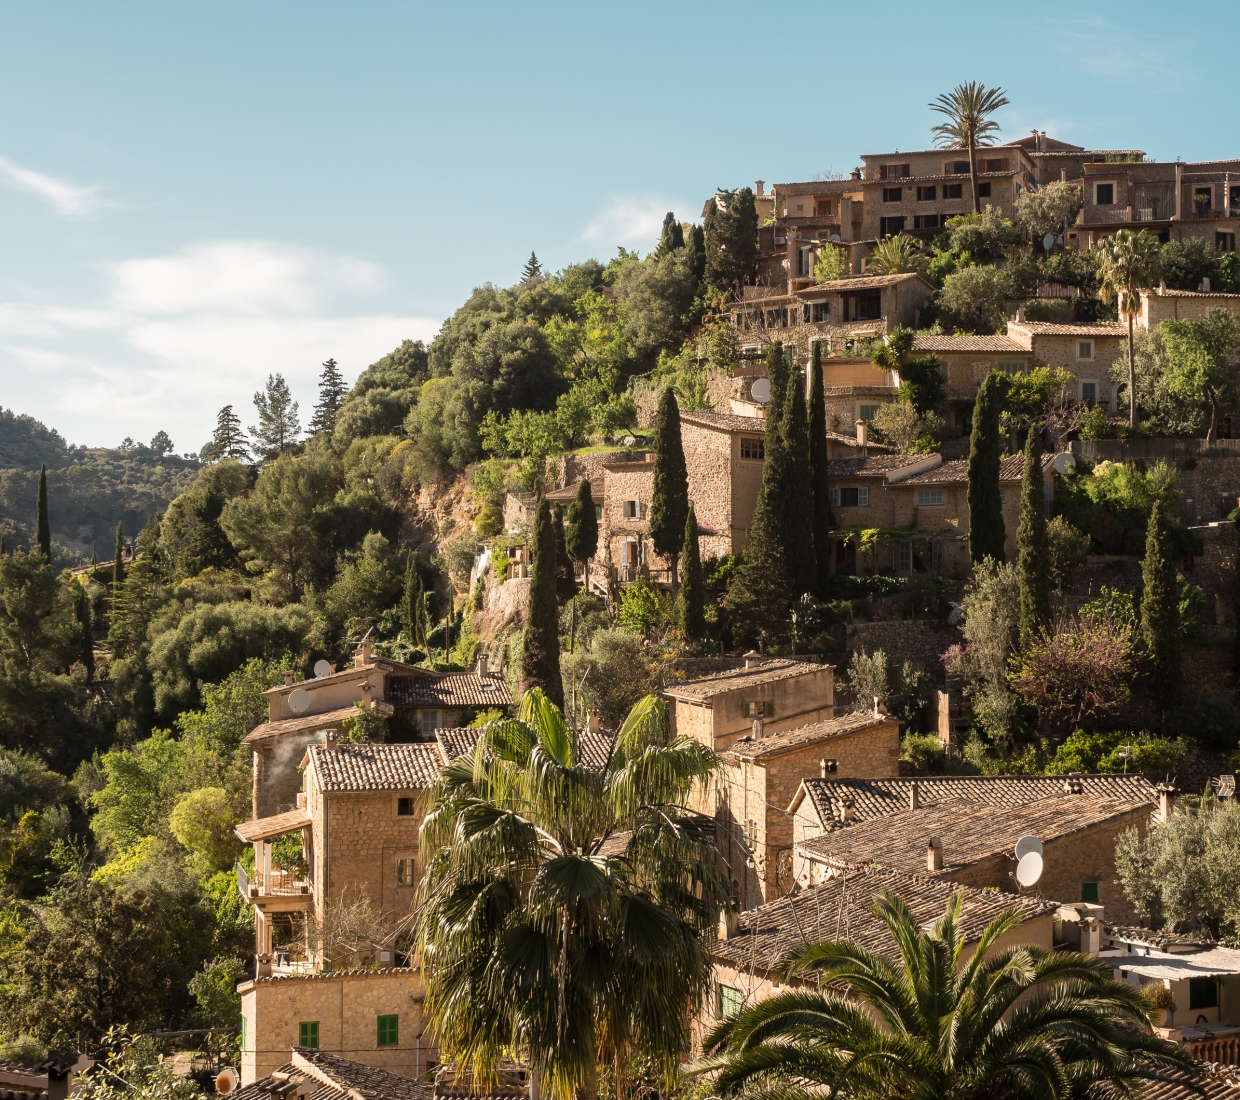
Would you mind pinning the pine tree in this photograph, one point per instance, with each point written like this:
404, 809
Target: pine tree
540, 662
796, 493
1160, 615
818, 474
696, 244
669, 500
532, 269
581, 536
731, 238
43, 523
278, 425
413, 603
118, 560
332, 392
672, 236
691, 597
1032, 552
986, 531
87, 651
228, 440
565, 581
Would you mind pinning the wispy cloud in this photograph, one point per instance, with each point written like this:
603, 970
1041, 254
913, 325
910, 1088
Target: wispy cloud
1102, 48
633, 219
70, 200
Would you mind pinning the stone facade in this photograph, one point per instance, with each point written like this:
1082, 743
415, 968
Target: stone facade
921, 641
1087, 350
345, 1006
1183, 305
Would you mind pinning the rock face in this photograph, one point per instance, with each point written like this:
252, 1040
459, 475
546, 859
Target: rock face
504, 608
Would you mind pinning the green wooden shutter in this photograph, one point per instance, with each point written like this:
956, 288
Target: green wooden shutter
388, 1031
308, 1034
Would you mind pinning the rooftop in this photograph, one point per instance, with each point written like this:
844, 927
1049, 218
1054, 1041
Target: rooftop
264, 828
305, 724
1082, 328
451, 689
970, 832
723, 421
330, 1077
864, 282
593, 747
1209, 963
737, 679
350, 672
1219, 1082
1011, 468
993, 344
1164, 293
872, 465
349, 767
748, 749
842, 907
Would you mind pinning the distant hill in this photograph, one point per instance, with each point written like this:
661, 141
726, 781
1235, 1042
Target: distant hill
89, 489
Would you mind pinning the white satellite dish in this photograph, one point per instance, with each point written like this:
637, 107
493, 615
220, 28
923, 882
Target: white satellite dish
835, 237
761, 390
322, 668
299, 701
1064, 463
1028, 844
1029, 869
226, 1081
1048, 242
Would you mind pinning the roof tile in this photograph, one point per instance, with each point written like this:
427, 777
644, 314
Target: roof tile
1084, 328
724, 421
736, 679
451, 689
348, 767
926, 341
812, 734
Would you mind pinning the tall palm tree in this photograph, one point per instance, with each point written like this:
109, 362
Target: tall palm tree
1016, 1022
1129, 266
895, 256
568, 910
968, 108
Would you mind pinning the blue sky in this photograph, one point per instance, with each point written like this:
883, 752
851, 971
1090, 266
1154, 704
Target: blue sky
192, 195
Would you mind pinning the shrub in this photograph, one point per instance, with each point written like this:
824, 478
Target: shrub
922, 752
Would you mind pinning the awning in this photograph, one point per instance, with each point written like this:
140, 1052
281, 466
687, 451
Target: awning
264, 828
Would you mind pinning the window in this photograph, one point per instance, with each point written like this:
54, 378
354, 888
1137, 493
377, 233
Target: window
936, 558
869, 307
805, 265
928, 497
406, 873
821, 311
1104, 194
996, 165
632, 509
1084, 349
1202, 993
983, 190
956, 168
805, 314
1203, 199
753, 447
1002, 496
889, 226
1089, 393
867, 412
893, 194
1012, 366
759, 709
906, 557
927, 194
1235, 196
953, 191
404, 807
833, 497
1089, 892
893, 171
598, 511
1225, 242
430, 723
308, 1034
388, 1031
729, 1002
824, 208
925, 221
1046, 498
851, 498
628, 553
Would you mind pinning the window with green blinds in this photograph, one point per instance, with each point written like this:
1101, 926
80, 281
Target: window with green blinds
389, 1031
730, 1002
308, 1034
1089, 891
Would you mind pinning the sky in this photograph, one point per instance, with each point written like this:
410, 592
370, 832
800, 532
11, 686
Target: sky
193, 196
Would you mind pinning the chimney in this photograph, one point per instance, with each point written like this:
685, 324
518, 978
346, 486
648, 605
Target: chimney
1162, 286
863, 433
330, 738
1020, 316
1166, 802
594, 723
752, 659
822, 769
288, 677
880, 706
914, 796
934, 854
483, 664
1063, 175
848, 810
757, 729
361, 656
759, 189
366, 695
1205, 284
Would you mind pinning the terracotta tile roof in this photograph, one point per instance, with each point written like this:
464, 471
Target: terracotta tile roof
736, 679
593, 748
1219, 1082
926, 341
816, 732
724, 421
817, 187
334, 1078
841, 437
1164, 940
348, 767
451, 689
858, 391
1209, 962
863, 282
1011, 468
871, 465
970, 832
1189, 294
873, 798
263, 828
1089, 328
842, 908
306, 724
380, 664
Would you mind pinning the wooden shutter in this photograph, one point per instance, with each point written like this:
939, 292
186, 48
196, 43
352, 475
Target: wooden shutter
906, 170
1004, 165
882, 171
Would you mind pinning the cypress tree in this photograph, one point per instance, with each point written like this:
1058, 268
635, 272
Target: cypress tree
1160, 615
413, 606
581, 536
696, 244
1032, 553
87, 653
118, 561
986, 530
692, 597
565, 582
796, 493
332, 391
669, 501
672, 237
777, 379
540, 663
43, 523
94, 562
818, 463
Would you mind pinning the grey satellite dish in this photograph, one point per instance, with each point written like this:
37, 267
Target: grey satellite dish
835, 237
321, 669
1029, 869
299, 701
1027, 844
1064, 463
761, 390
1048, 242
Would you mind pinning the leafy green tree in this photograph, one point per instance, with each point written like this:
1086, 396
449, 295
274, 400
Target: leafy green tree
796, 492
1160, 615
591, 897
413, 604
229, 441
332, 391
669, 501
1048, 209
819, 464
43, 525
924, 382
672, 236
1129, 265
1201, 361
691, 597
581, 536
278, 425
383, 394
973, 299
1183, 263
161, 444
540, 659
968, 108
731, 233
832, 264
938, 1020
895, 255
1033, 563
658, 297
532, 269
190, 535
983, 237
986, 530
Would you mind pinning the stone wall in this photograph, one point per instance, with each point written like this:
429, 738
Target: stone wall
921, 641
1217, 480
346, 1006
712, 463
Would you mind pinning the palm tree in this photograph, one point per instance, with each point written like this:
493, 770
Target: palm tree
1129, 265
895, 255
1018, 1022
568, 911
968, 109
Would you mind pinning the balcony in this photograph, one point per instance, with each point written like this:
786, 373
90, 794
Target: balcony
278, 884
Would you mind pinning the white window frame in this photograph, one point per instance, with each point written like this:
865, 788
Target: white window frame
929, 498
1011, 366
1085, 344
1002, 496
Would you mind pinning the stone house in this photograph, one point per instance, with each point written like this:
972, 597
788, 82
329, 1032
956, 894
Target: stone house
807, 216
1183, 305
1086, 349
967, 360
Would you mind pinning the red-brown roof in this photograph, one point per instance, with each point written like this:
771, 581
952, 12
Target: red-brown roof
926, 341
1011, 469
264, 828
449, 689
724, 421
349, 767
814, 733
720, 683
1089, 328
